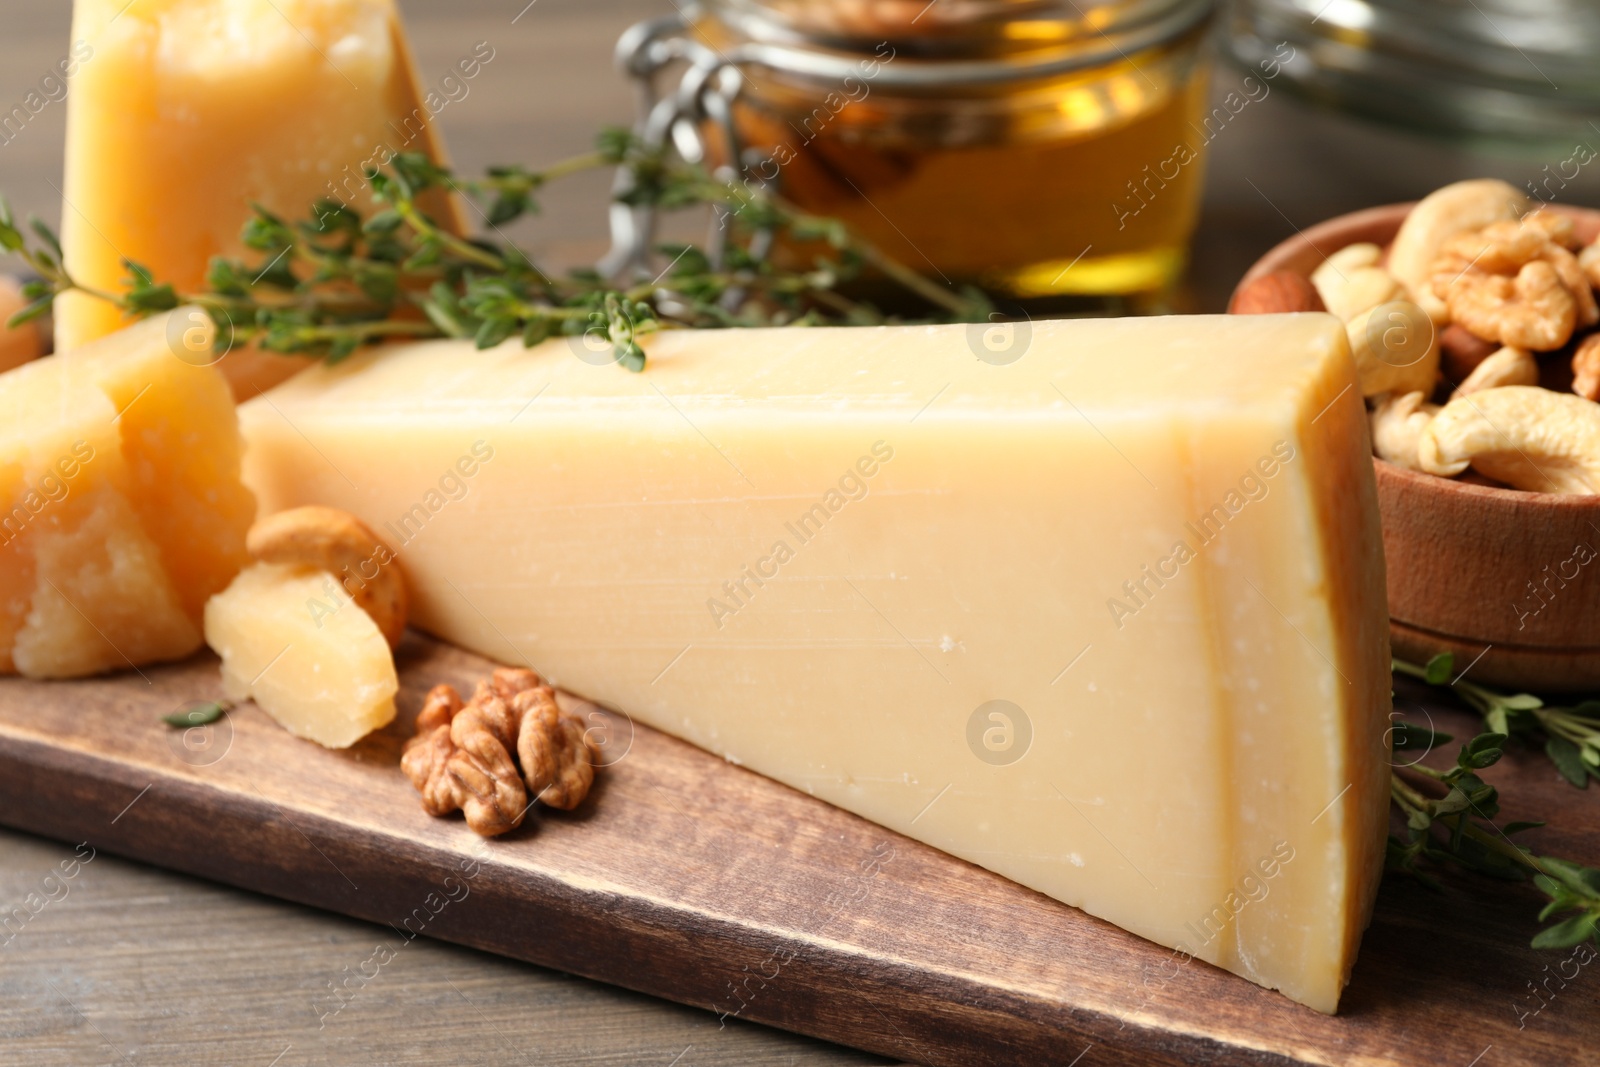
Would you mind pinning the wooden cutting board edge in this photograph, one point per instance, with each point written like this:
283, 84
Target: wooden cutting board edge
943, 963
943, 1019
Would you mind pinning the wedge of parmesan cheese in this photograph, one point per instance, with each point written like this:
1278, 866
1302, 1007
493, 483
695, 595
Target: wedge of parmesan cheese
1101, 610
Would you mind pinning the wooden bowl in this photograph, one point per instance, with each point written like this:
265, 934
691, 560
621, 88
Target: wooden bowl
1508, 581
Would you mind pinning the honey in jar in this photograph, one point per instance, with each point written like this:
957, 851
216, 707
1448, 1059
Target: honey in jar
1032, 148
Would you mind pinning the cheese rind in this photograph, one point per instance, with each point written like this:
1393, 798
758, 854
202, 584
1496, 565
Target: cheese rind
1107, 618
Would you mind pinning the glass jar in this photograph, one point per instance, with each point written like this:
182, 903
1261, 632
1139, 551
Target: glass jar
1032, 147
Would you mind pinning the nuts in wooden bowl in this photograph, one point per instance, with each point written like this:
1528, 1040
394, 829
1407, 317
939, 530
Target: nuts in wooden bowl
1488, 563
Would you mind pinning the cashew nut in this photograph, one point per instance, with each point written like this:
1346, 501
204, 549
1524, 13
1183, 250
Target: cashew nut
1586, 368
1527, 437
1351, 257
1507, 366
1440, 216
337, 542
1336, 279
1397, 424
1396, 349
1348, 292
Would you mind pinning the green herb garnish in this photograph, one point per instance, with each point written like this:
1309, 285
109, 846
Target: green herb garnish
328, 284
1458, 827
1570, 736
202, 715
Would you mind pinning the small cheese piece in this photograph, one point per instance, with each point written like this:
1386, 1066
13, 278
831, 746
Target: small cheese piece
1098, 605
121, 511
190, 111
292, 640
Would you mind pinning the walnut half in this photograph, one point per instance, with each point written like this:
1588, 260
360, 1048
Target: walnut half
1516, 283
427, 756
557, 762
462, 757
490, 789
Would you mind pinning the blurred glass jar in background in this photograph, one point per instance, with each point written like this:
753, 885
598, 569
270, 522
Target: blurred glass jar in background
1497, 70
1033, 147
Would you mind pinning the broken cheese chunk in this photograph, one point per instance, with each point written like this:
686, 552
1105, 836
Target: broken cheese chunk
121, 511
1100, 607
292, 640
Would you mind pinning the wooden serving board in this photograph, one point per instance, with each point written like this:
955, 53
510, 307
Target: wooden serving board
691, 879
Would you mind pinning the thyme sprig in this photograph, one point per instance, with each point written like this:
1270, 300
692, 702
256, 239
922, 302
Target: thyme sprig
1464, 814
1570, 736
200, 715
340, 279
1450, 817
1458, 828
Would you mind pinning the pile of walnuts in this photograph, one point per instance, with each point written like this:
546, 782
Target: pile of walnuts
488, 756
1474, 335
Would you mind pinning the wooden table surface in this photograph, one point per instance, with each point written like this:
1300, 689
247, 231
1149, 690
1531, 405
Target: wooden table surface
134, 965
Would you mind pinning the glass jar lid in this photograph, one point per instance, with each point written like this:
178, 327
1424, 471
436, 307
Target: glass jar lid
944, 43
